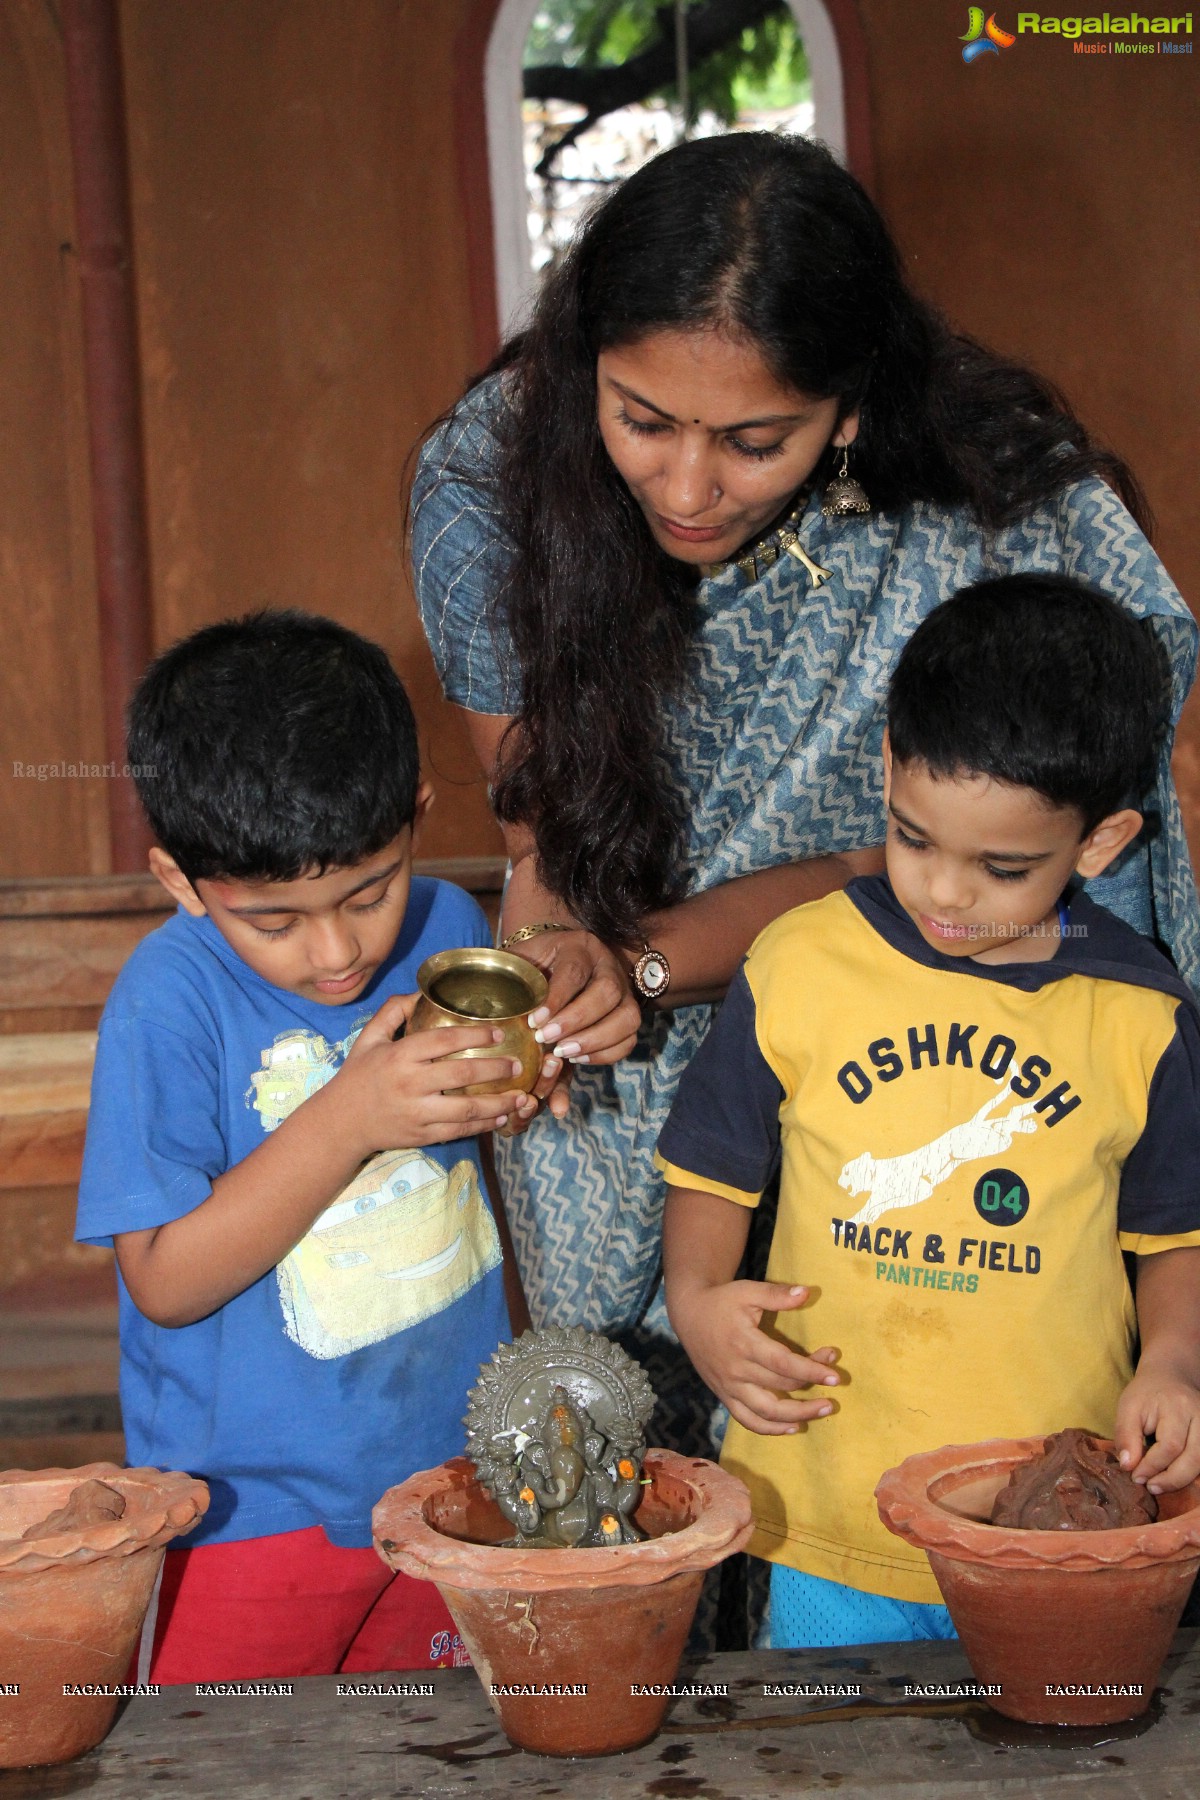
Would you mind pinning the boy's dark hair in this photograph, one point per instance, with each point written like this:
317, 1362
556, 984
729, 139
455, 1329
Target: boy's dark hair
272, 745
1039, 681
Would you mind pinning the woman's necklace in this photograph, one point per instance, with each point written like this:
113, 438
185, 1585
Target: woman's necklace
755, 559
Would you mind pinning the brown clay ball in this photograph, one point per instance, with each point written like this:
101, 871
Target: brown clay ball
1076, 1484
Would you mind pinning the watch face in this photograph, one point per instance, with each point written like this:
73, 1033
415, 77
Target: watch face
651, 973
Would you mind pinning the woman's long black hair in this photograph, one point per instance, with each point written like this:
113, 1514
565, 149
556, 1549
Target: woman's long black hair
767, 239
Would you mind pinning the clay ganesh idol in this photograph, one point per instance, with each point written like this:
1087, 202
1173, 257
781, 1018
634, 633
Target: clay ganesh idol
556, 1429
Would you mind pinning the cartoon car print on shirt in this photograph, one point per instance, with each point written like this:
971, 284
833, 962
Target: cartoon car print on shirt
404, 1240
295, 1066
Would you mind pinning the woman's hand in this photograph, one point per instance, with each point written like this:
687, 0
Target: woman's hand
590, 1014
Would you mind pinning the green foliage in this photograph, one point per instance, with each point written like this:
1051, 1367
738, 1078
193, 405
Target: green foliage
764, 70
589, 33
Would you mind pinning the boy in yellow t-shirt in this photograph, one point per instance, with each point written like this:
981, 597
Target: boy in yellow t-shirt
979, 1088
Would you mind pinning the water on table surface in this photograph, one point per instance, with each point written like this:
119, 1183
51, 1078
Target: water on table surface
481, 993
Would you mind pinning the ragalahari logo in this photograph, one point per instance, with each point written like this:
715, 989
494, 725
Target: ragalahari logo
984, 38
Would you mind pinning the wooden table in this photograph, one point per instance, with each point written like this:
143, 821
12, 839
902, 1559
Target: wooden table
735, 1744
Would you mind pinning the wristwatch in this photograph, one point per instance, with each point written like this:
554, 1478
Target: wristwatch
651, 973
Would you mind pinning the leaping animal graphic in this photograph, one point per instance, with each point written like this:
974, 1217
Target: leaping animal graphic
891, 1182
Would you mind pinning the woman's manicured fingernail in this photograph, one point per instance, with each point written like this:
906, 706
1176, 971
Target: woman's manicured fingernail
516, 1065
540, 1016
576, 1060
568, 1050
551, 1065
548, 1033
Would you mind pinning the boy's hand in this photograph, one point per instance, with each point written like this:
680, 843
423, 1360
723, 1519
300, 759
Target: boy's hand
553, 1085
1160, 1403
404, 1093
718, 1326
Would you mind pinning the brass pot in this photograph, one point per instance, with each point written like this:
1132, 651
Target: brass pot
478, 986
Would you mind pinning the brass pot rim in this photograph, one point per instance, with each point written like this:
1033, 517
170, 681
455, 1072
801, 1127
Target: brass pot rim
481, 956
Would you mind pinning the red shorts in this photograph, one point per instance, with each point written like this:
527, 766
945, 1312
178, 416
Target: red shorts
293, 1604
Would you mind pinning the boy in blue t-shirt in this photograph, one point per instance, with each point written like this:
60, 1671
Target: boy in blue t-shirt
309, 1271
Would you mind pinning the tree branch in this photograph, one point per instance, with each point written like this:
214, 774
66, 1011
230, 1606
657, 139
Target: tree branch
603, 90
545, 163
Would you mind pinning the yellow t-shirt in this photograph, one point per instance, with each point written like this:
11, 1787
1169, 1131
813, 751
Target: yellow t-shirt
965, 1150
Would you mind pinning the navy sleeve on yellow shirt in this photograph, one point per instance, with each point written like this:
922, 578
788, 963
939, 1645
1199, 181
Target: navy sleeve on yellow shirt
724, 1124
1160, 1183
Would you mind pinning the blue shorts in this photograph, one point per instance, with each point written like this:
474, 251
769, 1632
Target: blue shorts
810, 1614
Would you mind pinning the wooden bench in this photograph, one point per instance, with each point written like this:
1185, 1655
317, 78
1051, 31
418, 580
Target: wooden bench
62, 943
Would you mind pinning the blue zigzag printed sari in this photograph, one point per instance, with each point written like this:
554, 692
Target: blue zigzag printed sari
777, 747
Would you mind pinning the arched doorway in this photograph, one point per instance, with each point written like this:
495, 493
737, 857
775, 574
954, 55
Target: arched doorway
829, 32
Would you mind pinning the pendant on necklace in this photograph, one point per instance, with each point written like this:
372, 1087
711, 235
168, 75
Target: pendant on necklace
816, 574
755, 562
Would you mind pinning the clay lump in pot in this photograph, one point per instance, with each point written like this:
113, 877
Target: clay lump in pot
1076, 1484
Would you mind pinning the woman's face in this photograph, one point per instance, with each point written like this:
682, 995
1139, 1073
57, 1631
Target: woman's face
711, 446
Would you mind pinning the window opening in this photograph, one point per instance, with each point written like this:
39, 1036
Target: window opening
565, 119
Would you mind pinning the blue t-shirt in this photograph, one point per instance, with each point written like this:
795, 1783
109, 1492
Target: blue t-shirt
347, 1368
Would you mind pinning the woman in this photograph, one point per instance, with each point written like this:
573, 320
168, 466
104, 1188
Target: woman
670, 625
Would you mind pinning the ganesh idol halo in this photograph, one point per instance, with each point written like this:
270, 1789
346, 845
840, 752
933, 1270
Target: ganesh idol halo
517, 1387
514, 1389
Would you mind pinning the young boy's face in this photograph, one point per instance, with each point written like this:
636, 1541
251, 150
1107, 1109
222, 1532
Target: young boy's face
979, 865
321, 936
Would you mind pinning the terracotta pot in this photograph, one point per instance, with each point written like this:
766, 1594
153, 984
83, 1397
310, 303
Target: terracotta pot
72, 1605
600, 1620
1042, 1611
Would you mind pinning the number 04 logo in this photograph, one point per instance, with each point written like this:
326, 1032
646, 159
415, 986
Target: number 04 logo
1001, 1197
